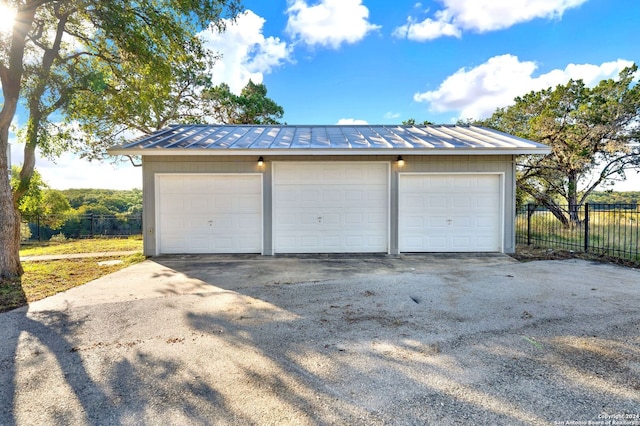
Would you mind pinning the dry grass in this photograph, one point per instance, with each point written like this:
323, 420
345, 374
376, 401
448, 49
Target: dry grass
526, 253
615, 233
84, 246
45, 278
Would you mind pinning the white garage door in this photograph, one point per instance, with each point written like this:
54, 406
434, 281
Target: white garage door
329, 207
206, 213
450, 213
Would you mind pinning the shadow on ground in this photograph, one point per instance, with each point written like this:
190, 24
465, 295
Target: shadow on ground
322, 340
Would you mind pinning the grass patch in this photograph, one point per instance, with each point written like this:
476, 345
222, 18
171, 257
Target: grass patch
46, 278
612, 233
11, 295
83, 246
525, 253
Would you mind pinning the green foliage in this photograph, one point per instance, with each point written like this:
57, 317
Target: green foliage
252, 106
104, 201
60, 52
40, 200
593, 134
31, 202
412, 122
612, 197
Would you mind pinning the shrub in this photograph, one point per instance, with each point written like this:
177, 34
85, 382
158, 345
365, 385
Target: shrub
25, 231
58, 238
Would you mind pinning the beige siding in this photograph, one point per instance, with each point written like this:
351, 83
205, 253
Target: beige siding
243, 164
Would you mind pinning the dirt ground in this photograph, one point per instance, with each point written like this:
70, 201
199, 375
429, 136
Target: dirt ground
526, 253
406, 340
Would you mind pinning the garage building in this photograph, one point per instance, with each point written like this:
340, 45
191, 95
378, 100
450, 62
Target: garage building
328, 189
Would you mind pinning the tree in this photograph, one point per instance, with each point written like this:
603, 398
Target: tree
252, 106
41, 201
138, 101
112, 201
134, 98
412, 122
593, 134
58, 49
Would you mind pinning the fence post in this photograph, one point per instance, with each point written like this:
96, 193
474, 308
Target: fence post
586, 227
530, 209
91, 218
38, 225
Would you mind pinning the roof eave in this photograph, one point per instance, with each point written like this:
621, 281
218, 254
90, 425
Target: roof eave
326, 151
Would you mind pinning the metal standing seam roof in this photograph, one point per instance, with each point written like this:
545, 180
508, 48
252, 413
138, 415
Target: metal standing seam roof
200, 139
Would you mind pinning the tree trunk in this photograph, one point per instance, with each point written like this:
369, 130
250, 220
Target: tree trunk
545, 200
572, 198
29, 162
11, 77
10, 266
558, 212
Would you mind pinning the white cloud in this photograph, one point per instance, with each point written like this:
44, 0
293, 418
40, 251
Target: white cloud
481, 16
329, 23
351, 121
69, 171
426, 30
246, 52
389, 115
477, 92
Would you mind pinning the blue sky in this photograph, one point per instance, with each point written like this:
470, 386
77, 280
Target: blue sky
381, 62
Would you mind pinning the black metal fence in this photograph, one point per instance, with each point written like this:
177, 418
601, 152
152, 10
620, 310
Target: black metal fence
605, 229
43, 227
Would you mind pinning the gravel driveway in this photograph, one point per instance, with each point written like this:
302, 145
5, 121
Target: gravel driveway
428, 339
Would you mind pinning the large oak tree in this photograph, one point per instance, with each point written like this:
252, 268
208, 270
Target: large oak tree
59, 49
593, 133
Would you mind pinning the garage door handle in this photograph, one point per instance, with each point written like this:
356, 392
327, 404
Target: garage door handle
319, 219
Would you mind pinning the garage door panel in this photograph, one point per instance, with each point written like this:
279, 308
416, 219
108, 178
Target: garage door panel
379, 219
485, 222
311, 195
438, 183
331, 220
209, 213
461, 243
309, 241
303, 219
461, 202
350, 214
461, 184
286, 195
354, 195
458, 212
462, 222
434, 202
439, 243
379, 195
412, 202
329, 195
240, 204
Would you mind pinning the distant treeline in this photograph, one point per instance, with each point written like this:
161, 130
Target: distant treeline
104, 201
86, 213
611, 197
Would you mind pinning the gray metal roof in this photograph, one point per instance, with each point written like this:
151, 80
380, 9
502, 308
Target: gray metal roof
339, 139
